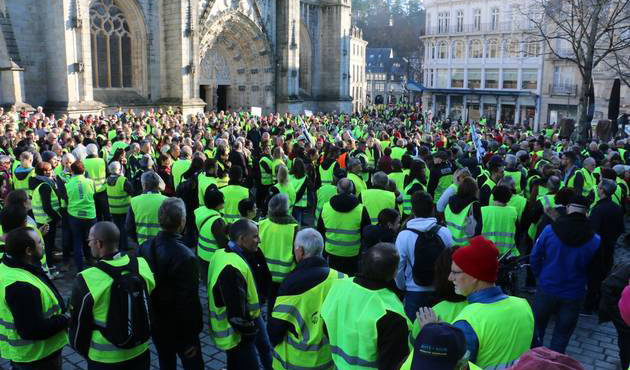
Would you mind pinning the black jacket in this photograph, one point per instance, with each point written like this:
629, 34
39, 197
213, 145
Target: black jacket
345, 203
177, 314
45, 192
309, 273
25, 304
391, 330
374, 234
458, 203
436, 172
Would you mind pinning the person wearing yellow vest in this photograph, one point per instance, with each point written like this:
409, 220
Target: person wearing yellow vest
32, 311
517, 174
500, 221
142, 220
440, 174
500, 327
283, 185
119, 192
296, 342
81, 210
277, 160
46, 204
236, 276
342, 221
363, 317
181, 165
211, 227
277, 233
496, 167
266, 176
327, 191
327, 167
398, 151
300, 183
414, 181
377, 198
354, 175
463, 212
234, 192
583, 181
206, 178
63, 176
91, 302
95, 171
23, 172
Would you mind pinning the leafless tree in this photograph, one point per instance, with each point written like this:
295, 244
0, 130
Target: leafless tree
584, 33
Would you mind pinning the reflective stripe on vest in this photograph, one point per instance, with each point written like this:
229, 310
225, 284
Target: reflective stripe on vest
516, 175
324, 193
99, 285
41, 217
117, 197
95, 168
266, 177
233, 194
203, 182
221, 331
326, 176
145, 210
343, 231
81, 197
456, 223
407, 197
499, 226
207, 243
376, 200
276, 243
297, 185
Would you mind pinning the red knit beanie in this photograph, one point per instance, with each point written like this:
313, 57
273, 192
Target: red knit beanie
479, 259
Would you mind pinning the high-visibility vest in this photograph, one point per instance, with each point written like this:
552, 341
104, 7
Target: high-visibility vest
233, 194
304, 346
365, 175
95, 168
589, 181
324, 193
221, 331
100, 284
546, 200
350, 313
276, 243
23, 184
516, 175
457, 223
398, 152
359, 184
222, 181
326, 176
297, 185
407, 209
203, 181
343, 230
446, 311
490, 183
207, 243
41, 217
504, 330
274, 168
145, 210
443, 183
499, 226
117, 197
399, 179
288, 190
12, 346
376, 200
266, 178
179, 167
81, 197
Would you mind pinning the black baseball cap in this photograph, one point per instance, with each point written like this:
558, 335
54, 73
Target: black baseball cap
438, 346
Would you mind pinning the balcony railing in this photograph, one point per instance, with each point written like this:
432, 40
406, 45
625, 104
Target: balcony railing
563, 89
453, 28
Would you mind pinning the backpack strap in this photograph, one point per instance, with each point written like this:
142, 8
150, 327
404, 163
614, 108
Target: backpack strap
431, 232
116, 271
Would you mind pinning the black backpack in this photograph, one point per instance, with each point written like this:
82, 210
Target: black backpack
129, 312
428, 248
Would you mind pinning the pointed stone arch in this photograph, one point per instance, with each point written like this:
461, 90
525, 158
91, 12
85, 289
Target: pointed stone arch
306, 62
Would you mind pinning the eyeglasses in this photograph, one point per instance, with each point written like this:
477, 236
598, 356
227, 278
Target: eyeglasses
453, 272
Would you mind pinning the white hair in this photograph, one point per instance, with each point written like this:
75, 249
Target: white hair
79, 152
68, 157
278, 205
115, 168
91, 149
311, 241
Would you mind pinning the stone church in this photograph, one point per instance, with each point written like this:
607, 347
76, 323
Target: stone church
81, 56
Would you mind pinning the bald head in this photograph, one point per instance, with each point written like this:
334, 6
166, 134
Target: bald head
345, 186
380, 262
107, 233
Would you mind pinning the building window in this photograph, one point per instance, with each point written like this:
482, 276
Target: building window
510, 78
494, 19
476, 49
562, 76
432, 46
492, 78
460, 21
474, 78
442, 78
443, 20
458, 50
531, 49
111, 46
477, 19
428, 20
512, 48
529, 79
443, 50
457, 77
493, 49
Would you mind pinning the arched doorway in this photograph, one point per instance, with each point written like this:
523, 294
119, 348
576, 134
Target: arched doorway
235, 65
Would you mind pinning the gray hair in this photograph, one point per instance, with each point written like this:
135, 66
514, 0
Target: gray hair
114, 168
91, 149
172, 213
186, 151
380, 180
79, 152
507, 181
150, 181
69, 157
608, 186
459, 172
311, 241
345, 186
282, 175
589, 162
278, 205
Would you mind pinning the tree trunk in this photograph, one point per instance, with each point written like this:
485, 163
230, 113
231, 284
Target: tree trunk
584, 123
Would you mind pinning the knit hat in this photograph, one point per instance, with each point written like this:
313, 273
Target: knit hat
479, 259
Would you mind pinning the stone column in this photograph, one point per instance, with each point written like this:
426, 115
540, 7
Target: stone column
465, 108
288, 56
433, 97
448, 105
498, 118
517, 111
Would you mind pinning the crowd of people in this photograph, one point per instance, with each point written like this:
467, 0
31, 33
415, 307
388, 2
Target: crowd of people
373, 240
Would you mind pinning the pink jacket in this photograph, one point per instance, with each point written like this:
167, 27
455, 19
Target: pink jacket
624, 305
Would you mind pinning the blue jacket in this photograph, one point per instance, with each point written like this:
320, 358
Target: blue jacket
562, 256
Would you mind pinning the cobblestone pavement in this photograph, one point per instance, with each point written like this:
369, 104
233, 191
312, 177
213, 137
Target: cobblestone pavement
594, 345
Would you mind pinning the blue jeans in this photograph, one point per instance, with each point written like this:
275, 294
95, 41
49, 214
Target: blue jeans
80, 231
251, 355
565, 312
415, 300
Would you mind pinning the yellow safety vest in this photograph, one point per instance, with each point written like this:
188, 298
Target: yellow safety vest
276, 243
343, 231
376, 200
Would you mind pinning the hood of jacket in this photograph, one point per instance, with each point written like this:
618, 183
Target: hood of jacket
111, 179
344, 202
458, 203
21, 172
573, 229
421, 224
